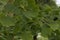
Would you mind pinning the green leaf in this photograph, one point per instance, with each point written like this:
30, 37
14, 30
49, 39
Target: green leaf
9, 7
7, 20
3, 3
27, 36
45, 31
55, 26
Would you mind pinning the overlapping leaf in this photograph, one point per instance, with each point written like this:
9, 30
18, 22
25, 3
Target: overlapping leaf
7, 20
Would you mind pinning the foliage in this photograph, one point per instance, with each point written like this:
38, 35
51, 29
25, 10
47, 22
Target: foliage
23, 19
